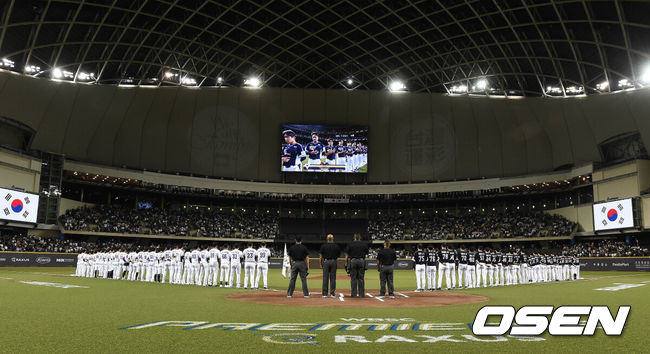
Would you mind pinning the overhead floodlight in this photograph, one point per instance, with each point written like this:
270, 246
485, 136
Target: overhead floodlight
645, 76
350, 82
85, 76
253, 82
553, 89
574, 90
481, 84
32, 69
57, 73
188, 81
625, 83
220, 80
458, 88
169, 75
7, 63
396, 86
602, 86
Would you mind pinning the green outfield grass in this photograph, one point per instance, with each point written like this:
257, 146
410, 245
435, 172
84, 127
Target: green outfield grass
37, 318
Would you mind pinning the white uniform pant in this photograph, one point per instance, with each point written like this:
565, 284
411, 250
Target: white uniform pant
444, 268
420, 276
471, 276
249, 273
462, 274
213, 273
235, 272
225, 271
431, 276
263, 271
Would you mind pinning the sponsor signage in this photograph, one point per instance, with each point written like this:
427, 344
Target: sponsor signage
35, 259
632, 264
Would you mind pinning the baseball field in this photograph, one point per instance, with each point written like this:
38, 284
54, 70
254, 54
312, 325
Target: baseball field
47, 310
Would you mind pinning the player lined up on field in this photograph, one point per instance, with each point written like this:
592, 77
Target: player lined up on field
485, 267
204, 267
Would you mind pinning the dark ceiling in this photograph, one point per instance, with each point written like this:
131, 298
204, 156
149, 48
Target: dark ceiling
522, 47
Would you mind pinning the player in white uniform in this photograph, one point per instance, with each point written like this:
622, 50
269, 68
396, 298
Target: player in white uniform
203, 267
79, 269
263, 254
225, 266
166, 266
249, 266
186, 268
177, 265
235, 267
194, 266
212, 275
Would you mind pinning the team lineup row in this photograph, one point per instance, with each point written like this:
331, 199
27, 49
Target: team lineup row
486, 267
207, 267
343, 157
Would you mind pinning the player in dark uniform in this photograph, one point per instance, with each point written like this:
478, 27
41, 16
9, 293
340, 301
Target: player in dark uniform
419, 264
481, 268
443, 267
314, 149
432, 263
471, 268
385, 262
330, 153
340, 154
462, 268
291, 153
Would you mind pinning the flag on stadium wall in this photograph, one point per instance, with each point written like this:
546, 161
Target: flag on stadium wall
18, 206
286, 266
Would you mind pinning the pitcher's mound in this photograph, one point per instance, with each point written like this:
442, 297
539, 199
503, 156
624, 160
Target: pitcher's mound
402, 299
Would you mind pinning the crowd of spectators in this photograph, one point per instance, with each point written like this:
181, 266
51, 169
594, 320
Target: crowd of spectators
605, 248
179, 222
23, 243
402, 225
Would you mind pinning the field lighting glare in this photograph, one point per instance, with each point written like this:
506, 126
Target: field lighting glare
253, 82
396, 86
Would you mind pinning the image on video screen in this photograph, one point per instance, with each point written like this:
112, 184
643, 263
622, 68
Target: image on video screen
324, 148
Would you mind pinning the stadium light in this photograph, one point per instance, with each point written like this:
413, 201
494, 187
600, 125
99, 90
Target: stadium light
32, 69
350, 82
458, 89
253, 82
645, 76
57, 73
625, 83
602, 86
188, 81
481, 84
85, 76
219, 80
6, 63
396, 86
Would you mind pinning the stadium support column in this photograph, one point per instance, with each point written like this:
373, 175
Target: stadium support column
50, 188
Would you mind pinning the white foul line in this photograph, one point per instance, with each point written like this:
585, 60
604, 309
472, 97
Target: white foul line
341, 296
400, 294
378, 298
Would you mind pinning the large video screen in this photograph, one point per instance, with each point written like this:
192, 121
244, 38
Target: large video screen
613, 215
324, 148
18, 206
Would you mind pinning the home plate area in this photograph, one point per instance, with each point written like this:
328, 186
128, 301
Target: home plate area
372, 299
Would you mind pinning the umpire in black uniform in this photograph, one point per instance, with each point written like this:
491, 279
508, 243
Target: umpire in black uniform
385, 262
329, 253
355, 259
299, 260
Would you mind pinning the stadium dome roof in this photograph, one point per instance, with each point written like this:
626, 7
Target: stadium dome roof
515, 47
